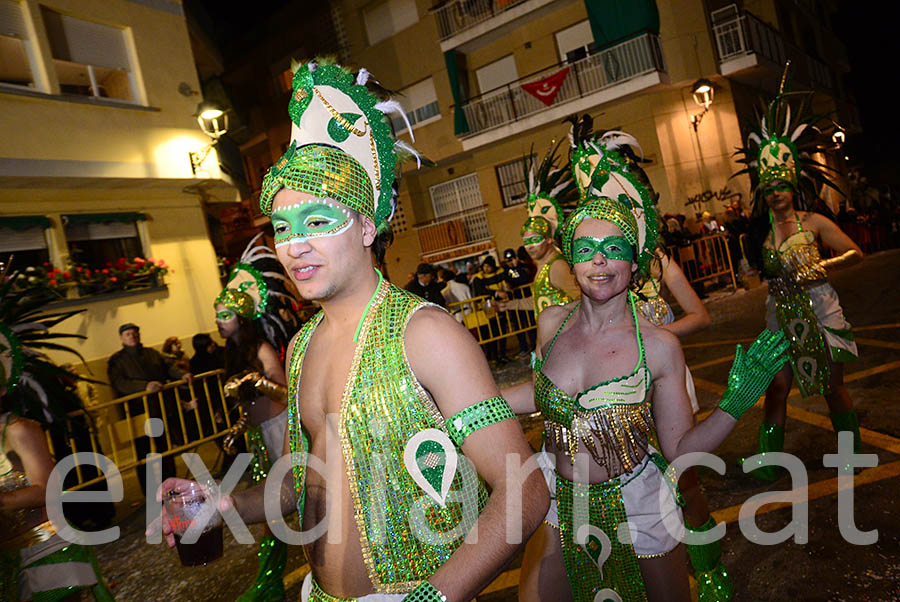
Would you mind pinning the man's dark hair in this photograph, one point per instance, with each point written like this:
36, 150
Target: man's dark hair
446, 275
425, 268
489, 260
379, 246
201, 341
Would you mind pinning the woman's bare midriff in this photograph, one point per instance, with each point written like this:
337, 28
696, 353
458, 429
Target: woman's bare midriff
596, 473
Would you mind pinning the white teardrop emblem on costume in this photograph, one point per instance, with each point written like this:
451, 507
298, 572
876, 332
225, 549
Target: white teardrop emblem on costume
607, 595
431, 460
800, 329
595, 542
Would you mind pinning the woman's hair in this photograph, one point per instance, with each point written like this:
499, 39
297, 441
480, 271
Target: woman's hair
200, 342
242, 349
169, 346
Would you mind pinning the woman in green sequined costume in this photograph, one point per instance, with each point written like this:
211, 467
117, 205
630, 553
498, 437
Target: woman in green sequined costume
790, 224
615, 527
250, 315
35, 562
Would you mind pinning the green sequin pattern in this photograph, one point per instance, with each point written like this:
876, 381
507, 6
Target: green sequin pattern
797, 318
605, 511
404, 534
260, 463
478, 416
544, 294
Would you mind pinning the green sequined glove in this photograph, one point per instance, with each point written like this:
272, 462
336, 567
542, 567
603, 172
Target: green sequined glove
752, 372
425, 593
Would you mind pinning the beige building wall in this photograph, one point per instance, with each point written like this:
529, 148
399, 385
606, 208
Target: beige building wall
63, 155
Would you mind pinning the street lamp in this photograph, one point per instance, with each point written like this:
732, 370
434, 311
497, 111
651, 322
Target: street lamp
213, 121
703, 92
838, 137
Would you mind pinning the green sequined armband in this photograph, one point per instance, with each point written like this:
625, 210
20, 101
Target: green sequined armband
427, 592
477, 416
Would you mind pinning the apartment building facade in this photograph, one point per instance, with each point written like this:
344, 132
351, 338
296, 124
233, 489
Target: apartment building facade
97, 114
486, 81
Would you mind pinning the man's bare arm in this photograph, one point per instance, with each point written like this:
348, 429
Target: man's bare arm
450, 365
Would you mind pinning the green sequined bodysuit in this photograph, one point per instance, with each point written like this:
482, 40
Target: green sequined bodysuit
544, 293
405, 535
792, 268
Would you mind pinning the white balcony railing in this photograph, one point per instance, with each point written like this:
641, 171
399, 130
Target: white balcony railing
746, 35
460, 15
593, 73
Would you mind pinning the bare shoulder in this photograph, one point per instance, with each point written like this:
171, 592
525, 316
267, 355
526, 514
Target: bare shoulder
662, 348
432, 323
266, 350
20, 430
551, 317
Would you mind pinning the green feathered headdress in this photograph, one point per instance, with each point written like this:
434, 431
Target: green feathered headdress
551, 193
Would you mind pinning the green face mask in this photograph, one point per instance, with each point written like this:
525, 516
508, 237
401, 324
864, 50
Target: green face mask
530, 241
225, 315
311, 219
612, 247
778, 187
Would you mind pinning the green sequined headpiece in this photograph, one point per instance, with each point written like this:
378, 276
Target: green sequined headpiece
247, 293
551, 192
341, 143
612, 189
782, 145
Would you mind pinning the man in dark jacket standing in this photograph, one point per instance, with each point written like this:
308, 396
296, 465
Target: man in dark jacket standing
424, 285
134, 369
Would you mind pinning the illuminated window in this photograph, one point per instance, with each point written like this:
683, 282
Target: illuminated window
90, 59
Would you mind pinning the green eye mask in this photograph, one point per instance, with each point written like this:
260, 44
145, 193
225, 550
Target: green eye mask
533, 240
612, 247
225, 315
301, 221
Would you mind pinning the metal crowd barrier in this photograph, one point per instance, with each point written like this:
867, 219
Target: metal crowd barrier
482, 316
113, 427
706, 258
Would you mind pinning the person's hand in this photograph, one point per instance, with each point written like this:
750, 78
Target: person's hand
502, 305
154, 386
753, 371
188, 378
174, 486
234, 384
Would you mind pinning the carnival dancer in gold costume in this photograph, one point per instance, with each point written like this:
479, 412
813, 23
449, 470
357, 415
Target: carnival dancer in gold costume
790, 224
35, 562
611, 388
392, 394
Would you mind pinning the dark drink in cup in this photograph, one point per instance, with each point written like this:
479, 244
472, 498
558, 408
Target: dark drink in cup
207, 548
194, 506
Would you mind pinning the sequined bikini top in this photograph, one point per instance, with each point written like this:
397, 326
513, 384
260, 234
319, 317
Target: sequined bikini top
796, 260
612, 419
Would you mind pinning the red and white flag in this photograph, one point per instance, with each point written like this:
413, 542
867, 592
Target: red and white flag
545, 90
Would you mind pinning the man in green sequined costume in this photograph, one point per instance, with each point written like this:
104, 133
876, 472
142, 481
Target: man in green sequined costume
410, 447
789, 226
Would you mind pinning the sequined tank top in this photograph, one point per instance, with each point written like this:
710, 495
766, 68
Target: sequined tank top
544, 293
405, 535
612, 419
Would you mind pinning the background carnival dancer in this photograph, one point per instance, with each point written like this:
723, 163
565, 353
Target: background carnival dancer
249, 317
551, 193
790, 222
714, 583
35, 562
380, 398
606, 415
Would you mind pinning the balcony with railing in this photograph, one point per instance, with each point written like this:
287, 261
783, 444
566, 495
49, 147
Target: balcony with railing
596, 78
745, 42
454, 234
461, 21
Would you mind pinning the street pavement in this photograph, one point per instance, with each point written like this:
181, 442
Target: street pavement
817, 566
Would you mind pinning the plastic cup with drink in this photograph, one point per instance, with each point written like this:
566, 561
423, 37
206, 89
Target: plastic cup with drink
192, 514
